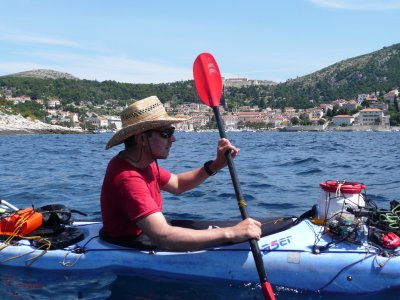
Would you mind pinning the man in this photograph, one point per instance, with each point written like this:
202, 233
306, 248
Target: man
131, 201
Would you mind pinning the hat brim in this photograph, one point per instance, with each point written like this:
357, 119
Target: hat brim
140, 127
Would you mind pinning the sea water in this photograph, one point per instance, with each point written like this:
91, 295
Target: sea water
279, 175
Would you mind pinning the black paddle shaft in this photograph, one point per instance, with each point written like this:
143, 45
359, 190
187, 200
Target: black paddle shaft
240, 199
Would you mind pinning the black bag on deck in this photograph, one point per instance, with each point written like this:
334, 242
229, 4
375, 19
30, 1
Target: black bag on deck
55, 227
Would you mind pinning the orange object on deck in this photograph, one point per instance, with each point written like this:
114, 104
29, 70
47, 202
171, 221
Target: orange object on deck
21, 222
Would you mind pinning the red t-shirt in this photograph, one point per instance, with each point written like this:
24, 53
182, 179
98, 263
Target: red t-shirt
129, 194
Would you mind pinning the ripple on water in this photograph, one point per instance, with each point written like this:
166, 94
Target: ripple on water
310, 171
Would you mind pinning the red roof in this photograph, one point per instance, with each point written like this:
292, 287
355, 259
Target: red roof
343, 116
370, 109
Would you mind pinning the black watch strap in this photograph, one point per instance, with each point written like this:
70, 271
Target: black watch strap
207, 168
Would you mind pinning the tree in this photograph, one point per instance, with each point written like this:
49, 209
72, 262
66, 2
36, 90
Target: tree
335, 110
329, 113
262, 104
295, 121
378, 121
304, 117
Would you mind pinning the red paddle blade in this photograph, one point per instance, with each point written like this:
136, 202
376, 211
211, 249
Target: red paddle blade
267, 291
207, 79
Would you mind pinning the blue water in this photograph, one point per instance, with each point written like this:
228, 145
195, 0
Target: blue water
279, 174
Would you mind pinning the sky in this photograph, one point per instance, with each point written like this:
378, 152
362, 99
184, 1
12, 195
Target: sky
157, 41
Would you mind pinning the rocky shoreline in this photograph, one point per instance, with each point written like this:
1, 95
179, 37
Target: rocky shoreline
16, 124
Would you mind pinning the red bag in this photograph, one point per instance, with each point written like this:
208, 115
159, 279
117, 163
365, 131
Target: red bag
21, 222
390, 240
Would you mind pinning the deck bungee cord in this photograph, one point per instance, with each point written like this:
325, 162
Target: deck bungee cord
45, 246
16, 225
29, 224
358, 224
357, 221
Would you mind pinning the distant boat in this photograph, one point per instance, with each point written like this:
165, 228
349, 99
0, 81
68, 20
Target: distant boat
104, 130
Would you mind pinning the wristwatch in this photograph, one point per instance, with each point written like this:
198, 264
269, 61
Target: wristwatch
207, 168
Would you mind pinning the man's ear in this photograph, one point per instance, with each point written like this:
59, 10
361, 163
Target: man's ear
139, 139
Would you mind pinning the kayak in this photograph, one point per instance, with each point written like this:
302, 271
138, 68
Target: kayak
297, 253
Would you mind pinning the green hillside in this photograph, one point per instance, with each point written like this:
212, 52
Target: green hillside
374, 72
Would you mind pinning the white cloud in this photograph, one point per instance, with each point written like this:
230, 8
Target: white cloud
129, 70
101, 67
372, 5
32, 39
7, 68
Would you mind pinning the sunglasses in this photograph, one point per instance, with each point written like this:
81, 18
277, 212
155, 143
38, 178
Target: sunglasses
166, 133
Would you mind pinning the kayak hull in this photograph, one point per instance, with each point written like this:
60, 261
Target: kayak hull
289, 259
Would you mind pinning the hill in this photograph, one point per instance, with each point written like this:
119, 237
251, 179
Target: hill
376, 67
16, 124
374, 72
44, 74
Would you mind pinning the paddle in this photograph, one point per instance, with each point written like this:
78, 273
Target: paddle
208, 82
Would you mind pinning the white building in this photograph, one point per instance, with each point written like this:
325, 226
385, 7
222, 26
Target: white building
371, 116
361, 98
316, 113
99, 122
74, 117
230, 121
279, 121
19, 99
116, 121
350, 105
53, 103
391, 96
343, 119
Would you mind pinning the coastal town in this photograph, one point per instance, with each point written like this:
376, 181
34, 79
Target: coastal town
365, 112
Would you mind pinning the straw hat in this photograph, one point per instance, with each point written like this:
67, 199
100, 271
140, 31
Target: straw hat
143, 115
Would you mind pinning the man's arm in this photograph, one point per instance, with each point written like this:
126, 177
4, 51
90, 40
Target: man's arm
185, 181
179, 183
175, 238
